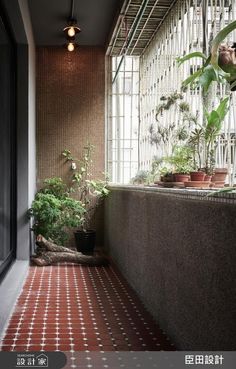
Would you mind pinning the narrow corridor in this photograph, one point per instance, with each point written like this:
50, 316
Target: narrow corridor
74, 308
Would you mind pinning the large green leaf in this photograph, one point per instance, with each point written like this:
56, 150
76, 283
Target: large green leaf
207, 77
215, 119
196, 54
223, 108
193, 78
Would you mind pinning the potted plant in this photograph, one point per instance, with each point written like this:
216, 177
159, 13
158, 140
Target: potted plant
141, 177
203, 142
55, 211
219, 177
220, 67
90, 192
181, 159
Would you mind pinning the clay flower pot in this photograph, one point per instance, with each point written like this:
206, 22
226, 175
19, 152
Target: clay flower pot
167, 178
181, 177
219, 175
197, 184
197, 176
207, 178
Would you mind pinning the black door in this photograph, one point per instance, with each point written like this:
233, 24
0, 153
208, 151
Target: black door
7, 148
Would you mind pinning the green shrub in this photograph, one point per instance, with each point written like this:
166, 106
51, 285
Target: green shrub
54, 211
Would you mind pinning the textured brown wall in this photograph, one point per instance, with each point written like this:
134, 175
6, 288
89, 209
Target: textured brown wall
70, 107
70, 111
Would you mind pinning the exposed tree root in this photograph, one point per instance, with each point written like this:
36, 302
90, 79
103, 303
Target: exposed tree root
49, 253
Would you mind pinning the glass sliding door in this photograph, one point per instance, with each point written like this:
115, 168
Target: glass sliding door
7, 149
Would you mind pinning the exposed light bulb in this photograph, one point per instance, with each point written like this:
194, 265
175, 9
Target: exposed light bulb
70, 46
71, 32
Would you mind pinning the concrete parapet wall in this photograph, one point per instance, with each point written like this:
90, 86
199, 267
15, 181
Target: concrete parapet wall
178, 251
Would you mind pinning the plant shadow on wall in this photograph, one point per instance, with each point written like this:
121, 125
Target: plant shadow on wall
59, 207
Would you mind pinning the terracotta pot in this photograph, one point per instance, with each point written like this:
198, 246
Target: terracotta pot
197, 176
218, 184
197, 184
219, 175
169, 178
181, 177
207, 178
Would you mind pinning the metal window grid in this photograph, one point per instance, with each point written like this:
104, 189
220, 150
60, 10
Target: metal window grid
131, 111
123, 120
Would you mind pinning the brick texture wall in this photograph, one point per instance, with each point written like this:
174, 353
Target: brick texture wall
70, 110
70, 107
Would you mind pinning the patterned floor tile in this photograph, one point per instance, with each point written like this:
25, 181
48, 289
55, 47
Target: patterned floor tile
74, 308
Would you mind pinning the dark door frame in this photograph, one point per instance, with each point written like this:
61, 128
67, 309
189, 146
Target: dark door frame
13, 144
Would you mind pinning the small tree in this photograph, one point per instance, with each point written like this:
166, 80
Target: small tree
90, 191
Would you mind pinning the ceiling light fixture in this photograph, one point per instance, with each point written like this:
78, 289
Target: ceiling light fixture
71, 30
70, 46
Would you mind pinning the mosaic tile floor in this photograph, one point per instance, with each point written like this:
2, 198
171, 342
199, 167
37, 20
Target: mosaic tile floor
74, 308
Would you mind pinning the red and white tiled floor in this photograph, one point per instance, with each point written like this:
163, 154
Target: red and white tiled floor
73, 308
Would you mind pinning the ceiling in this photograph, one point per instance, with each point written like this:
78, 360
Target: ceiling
95, 18
137, 24
122, 26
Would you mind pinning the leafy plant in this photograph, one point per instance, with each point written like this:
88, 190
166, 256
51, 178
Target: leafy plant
181, 159
220, 66
166, 136
212, 130
89, 191
55, 212
203, 140
222, 191
196, 142
141, 177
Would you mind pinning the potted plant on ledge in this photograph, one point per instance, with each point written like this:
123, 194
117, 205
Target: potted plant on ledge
181, 159
90, 193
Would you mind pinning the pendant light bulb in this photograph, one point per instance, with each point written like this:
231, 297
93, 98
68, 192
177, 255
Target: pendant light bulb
71, 32
70, 46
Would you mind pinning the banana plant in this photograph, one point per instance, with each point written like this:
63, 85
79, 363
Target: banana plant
213, 128
219, 66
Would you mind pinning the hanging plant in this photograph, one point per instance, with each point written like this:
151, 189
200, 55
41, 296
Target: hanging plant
220, 66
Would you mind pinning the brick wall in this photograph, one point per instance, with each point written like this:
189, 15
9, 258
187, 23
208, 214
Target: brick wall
70, 107
70, 110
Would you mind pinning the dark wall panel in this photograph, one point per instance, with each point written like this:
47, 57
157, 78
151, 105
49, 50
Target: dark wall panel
179, 254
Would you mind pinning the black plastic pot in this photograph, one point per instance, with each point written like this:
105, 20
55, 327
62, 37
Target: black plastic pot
85, 241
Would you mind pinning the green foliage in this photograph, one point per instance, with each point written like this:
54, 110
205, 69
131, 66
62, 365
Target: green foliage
141, 177
211, 70
212, 130
54, 211
182, 159
170, 100
204, 139
196, 54
55, 186
196, 143
167, 136
222, 191
89, 191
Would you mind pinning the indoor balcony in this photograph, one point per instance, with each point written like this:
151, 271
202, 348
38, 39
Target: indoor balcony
162, 276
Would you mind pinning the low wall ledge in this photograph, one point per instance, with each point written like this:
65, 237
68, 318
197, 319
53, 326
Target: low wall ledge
193, 194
